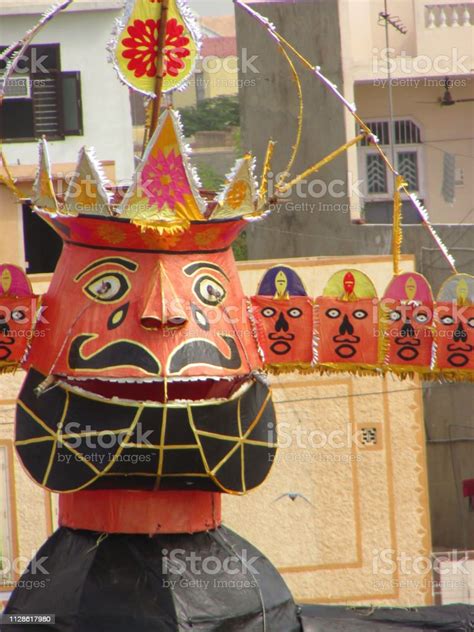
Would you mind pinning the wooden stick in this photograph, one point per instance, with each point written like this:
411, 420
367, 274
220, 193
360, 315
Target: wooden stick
159, 65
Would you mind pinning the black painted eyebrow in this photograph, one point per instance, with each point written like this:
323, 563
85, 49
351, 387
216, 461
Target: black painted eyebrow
119, 261
190, 269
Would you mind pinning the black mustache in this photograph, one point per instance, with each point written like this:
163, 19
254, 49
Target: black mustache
460, 347
351, 339
407, 343
120, 353
204, 352
274, 336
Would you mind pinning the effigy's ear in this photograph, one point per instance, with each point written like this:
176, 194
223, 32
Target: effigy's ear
18, 307
347, 324
282, 315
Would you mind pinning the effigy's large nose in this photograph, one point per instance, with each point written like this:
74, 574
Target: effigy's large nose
162, 307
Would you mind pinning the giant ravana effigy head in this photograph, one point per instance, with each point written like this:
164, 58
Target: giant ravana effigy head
144, 335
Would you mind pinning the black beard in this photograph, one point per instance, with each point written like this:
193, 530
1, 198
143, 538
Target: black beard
69, 441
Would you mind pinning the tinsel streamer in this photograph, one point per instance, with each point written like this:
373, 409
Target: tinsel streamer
426, 221
172, 227
397, 236
8, 180
299, 131
263, 193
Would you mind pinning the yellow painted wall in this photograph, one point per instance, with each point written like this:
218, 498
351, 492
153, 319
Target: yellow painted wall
11, 235
222, 79
185, 98
219, 77
366, 502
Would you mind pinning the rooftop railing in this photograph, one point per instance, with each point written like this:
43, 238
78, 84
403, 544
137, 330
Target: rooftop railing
449, 15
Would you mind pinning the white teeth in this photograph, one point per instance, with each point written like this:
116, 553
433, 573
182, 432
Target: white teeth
159, 380
176, 402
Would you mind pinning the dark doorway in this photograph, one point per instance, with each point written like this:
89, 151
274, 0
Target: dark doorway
42, 245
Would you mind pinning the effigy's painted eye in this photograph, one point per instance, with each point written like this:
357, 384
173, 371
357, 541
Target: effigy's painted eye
395, 316
268, 312
108, 287
18, 315
209, 291
447, 320
295, 312
333, 313
422, 317
360, 314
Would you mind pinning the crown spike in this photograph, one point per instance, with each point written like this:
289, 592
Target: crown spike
165, 193
86, 193
239, 196
44, 196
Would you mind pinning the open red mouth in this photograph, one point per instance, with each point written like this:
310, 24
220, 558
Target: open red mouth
159, 391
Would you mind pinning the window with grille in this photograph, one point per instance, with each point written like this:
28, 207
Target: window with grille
7, 553
376, 174
41, 99
408, 166
377, 179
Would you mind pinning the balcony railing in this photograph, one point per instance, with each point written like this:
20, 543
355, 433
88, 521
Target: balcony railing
439, 16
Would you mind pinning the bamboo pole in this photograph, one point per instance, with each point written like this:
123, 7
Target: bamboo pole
160, 66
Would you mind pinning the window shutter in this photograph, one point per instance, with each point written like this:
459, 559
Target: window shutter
47, 106
72, 103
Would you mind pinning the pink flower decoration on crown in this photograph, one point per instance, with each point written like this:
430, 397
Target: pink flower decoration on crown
164, 180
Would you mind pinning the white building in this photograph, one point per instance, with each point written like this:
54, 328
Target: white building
433, 132
65, 89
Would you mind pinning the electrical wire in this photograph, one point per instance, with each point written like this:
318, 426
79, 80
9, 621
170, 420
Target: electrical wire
351, 395
444, 151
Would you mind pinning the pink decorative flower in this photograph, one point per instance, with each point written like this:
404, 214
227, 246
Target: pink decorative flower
164, 180
142, 48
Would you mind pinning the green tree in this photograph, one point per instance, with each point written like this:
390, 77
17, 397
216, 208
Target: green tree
216, 114
210, 179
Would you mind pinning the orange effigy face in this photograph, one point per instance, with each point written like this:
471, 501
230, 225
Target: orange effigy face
348, 320
154, 347
285, 329
17, 315
454, 336
144, 317
455, 325
407, 312
348, 331
283, 315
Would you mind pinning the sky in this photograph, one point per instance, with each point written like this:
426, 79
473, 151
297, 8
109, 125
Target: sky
212, 7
